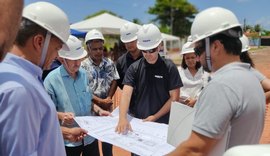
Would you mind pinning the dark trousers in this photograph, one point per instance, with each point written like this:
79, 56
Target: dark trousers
107, 149
88, 150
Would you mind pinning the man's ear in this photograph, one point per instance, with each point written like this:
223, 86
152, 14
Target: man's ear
38, 42
217, 46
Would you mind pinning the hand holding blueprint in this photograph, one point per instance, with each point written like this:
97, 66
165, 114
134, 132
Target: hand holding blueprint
147, 138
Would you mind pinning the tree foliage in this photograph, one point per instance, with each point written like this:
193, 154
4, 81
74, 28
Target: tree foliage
137, 21
257, 28
175, 14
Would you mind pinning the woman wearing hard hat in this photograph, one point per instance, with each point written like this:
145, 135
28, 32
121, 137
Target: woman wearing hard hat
244, 57
193, 76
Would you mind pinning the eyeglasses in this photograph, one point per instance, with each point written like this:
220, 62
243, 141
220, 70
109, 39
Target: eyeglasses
150, 51
199, 50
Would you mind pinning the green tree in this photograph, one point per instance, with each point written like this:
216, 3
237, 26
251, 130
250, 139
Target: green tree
249, 27
137, 21
174, 16
257, 28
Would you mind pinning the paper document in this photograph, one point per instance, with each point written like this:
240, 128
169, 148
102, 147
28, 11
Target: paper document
180, 127
147, 138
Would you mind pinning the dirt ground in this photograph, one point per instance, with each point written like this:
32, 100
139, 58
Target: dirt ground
261, 58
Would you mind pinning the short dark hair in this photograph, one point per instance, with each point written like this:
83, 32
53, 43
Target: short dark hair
184, 64
95, 40
28, 29
232, 45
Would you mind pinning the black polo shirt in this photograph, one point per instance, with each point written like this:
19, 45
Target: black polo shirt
122, 65
151, 85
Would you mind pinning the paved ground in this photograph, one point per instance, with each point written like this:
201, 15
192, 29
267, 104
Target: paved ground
261, 58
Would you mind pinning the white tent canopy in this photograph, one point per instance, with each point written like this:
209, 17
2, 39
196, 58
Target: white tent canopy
108, 24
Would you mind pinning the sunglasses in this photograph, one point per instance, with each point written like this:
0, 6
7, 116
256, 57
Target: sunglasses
150, 51
199, 50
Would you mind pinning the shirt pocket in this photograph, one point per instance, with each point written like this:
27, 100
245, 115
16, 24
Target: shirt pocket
86, 102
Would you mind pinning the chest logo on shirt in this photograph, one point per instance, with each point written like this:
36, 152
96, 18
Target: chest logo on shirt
159, 76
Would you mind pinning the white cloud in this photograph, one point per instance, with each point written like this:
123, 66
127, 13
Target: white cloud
264, 22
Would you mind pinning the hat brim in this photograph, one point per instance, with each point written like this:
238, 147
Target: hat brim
76, 57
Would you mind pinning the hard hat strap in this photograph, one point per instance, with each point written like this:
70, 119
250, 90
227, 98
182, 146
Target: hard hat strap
208, 54
67, 67
45, 48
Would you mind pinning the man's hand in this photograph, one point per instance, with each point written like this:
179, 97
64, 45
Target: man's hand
104, 113
73, 134
66, 118
150, 118
123, 126
106, 103
188, 101
108, 100
191, 102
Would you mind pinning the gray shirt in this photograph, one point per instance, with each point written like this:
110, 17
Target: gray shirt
259, 75
233, 97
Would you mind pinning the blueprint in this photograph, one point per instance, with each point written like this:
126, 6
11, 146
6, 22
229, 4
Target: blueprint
146, 139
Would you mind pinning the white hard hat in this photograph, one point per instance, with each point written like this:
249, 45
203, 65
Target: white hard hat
128, 32
189, 38
249, 150
213, 21
188, 47
75, 52
245, 43
93, 34
149, 37
49, 17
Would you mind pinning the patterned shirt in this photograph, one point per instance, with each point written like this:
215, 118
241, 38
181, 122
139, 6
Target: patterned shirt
100, 77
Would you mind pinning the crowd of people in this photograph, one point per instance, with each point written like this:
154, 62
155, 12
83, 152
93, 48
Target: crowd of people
47, 77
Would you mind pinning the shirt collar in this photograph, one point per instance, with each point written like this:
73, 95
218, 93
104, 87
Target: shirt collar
129, 56
233, 65
24, 64
156, 64
102, 63
64, 72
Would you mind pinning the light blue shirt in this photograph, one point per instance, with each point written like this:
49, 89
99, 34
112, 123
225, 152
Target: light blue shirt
28, 119
70, 95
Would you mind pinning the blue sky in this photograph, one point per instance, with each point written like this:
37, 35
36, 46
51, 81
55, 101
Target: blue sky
254, 11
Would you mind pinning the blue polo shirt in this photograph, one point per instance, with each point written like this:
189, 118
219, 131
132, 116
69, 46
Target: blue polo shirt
28, 119
70, 95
